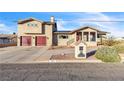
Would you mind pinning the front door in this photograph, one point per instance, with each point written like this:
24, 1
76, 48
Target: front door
78, 36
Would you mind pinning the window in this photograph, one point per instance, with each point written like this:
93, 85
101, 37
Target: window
63, 36
92, 36
28, 24
32, 24
36, 25
99, 36
85, 36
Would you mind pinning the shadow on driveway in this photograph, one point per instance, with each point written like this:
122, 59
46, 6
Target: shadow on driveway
91, 53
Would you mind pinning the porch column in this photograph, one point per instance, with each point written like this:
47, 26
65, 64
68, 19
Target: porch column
88, 36
82, 36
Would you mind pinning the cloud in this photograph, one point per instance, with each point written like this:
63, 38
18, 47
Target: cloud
63, 24
112, 27
82, 20
2, 25
5, 29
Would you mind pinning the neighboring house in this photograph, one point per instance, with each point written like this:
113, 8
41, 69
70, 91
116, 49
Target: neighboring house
8, 38
33, 32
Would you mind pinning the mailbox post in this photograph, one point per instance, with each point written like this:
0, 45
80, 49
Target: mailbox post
80, 51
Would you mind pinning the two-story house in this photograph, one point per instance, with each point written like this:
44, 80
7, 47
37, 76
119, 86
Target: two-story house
33, 32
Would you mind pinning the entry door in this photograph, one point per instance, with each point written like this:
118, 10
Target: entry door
79, 36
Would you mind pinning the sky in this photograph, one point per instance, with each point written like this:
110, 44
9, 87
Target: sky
112, 22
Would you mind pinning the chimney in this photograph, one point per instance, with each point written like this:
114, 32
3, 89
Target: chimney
52, 19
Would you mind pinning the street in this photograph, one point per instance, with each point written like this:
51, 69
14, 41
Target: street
62, 72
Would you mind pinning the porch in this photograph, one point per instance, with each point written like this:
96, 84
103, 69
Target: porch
90, 38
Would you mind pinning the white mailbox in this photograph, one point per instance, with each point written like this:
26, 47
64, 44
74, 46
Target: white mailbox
80, 51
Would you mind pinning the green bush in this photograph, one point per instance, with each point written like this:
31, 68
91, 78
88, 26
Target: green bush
107, 54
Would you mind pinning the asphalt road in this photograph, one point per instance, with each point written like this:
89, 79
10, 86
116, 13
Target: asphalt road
62, 72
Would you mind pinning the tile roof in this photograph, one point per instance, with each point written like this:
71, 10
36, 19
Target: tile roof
33, 19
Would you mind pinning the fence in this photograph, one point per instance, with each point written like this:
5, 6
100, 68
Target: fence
7, 45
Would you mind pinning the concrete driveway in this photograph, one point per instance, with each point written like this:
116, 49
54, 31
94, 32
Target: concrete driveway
20, 54
34, 55
29, 54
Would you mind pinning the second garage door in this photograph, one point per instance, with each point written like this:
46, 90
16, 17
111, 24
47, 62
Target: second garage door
40, 40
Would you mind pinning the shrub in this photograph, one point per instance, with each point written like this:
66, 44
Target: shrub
107, 54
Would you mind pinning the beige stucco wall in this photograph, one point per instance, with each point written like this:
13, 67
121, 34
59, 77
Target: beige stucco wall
24, 30
49, 34
63, 42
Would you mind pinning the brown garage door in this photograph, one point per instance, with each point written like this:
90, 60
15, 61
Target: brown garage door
26, 40
40, 40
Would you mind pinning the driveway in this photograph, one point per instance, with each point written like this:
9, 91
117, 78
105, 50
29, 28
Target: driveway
29, 54
34, 54
20, 54
62, 72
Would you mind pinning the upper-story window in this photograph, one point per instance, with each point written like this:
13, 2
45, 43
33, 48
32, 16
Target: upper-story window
28, 24
32, 25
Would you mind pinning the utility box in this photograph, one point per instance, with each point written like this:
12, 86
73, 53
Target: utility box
80, 50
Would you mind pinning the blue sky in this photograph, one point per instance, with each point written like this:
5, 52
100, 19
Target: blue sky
67, 20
